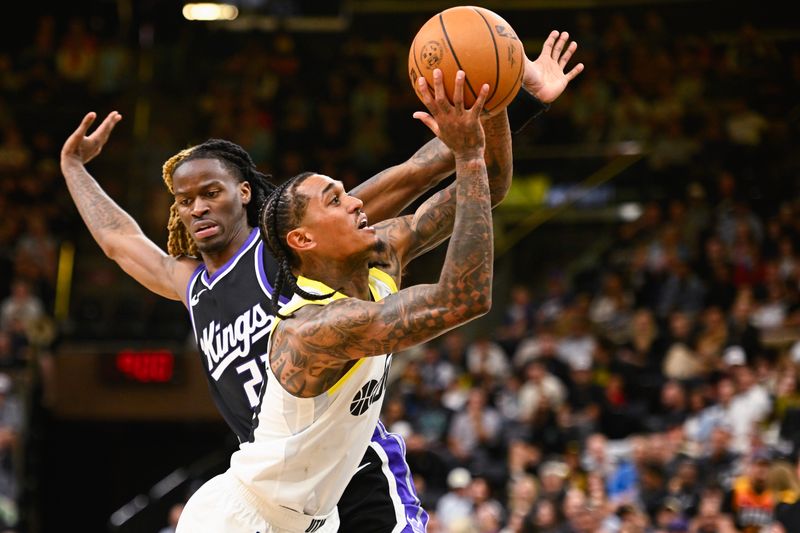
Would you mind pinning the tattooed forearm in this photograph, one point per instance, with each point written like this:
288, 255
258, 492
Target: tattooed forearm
499, 157
433, 221
434, 156
387, 193
100, 213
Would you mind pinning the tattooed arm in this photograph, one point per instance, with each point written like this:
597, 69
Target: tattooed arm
386, 194
390, 191
413, 235
116, 231
310, 351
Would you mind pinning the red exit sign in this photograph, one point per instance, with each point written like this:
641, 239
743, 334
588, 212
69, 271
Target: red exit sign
145, 366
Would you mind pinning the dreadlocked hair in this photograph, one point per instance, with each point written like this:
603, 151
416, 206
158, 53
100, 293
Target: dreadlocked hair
239, 163
282, 212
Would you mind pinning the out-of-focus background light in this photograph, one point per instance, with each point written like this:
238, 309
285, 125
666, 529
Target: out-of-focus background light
210, 11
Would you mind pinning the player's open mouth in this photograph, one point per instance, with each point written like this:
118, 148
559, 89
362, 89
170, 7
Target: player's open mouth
204, 230
361, 221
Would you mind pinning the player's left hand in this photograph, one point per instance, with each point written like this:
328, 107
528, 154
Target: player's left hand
545, 78
82, 148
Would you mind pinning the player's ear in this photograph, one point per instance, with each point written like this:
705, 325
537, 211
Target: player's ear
300, 240
245, 192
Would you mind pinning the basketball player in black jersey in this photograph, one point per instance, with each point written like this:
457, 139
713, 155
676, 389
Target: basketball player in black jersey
216, 263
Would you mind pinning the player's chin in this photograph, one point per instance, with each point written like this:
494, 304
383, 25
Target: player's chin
210, 245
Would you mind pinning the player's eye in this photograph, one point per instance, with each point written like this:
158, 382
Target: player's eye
184, 202
335, 200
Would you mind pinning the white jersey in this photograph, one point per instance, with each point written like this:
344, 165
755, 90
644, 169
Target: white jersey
306, 450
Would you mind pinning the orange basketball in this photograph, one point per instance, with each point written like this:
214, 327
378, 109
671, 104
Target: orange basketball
477, 41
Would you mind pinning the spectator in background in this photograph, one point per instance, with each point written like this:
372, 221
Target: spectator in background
541, 389
671, 410
623, 482
684, 487
741, 331
680, 360
523, 494
751, 405
682, 290
474, 431
787, 510
711, 337
711, 518
750, 501
553, 475
15, 155
10, 427
610, 308
577, 342
456, 505
454, 351
36, 256
518, 318
719, 463
639, 360
21, 308
542, 346
76, 54
698, 425
436, 372
555, 299
486, 360
584, 400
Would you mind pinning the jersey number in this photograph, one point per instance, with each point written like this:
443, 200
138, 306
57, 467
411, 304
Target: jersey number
252, 387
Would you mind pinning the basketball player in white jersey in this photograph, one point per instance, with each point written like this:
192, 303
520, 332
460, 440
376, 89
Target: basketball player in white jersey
221, 271
331, 348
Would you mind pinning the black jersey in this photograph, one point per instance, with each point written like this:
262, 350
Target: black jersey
232, 320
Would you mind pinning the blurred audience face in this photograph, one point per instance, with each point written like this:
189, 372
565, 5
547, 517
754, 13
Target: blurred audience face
719, 441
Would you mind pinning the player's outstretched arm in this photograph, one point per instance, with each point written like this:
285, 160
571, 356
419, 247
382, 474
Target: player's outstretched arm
329, 336
116, 231
432, 223
387, 193
546, 77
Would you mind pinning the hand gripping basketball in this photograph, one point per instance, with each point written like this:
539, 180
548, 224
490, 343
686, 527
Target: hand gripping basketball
457, 126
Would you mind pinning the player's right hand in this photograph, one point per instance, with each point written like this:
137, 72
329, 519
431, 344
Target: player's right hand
459, 128
82, 148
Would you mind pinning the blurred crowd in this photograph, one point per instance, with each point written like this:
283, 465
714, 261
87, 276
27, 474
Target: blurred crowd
655, 391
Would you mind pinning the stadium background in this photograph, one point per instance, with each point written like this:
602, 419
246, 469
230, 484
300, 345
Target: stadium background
686, 110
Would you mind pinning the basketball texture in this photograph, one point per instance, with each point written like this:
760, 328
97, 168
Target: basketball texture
477, 41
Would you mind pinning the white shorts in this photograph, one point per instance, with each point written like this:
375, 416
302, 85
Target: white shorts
223, 504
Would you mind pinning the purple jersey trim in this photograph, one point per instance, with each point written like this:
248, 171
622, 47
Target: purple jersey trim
394, 447
210, 280
189, 287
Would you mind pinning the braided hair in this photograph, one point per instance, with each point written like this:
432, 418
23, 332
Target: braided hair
239, 163
282, 212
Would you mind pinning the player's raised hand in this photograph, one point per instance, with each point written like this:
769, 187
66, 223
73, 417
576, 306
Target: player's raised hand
545, 78
82, 148
458, 127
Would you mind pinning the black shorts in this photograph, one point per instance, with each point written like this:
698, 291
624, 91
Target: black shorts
380, 497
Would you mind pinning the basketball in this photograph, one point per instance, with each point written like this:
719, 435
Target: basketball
477, 41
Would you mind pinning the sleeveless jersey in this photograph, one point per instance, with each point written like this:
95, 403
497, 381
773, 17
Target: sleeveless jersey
305, 450
232, 320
